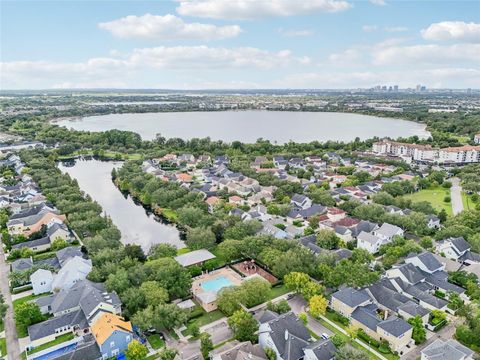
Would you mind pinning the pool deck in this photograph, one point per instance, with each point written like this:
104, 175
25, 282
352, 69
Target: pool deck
208, 298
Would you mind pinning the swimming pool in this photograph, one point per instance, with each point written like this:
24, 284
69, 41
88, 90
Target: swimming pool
215, 284
54, 353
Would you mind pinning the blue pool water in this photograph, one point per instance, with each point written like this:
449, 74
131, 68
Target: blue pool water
57, 352
214, 285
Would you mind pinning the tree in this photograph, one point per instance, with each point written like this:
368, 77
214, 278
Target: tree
154, 294
135, 252
162, 250
348, 352
318, 305
270, 353
136, 351
206, 344
419, 333
243, 325
172, 276
254, 291
228, 300
160, 317
27, 314
168, 354
303, 318
230, 249
200, 238
352, 331
296, 281
327, 239
58, 244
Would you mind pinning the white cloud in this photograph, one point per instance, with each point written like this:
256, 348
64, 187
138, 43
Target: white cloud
453, 30
254, 9
349, 56
167, 27
114, 72
395, 28
425, 54
378, 2
369, 28
213, 57
295, 33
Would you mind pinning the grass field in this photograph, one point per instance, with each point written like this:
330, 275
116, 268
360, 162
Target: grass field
434, 196
155, 341
58, 340
3, 347
468, 204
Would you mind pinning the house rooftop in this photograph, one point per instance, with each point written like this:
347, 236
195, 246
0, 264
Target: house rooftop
194, 257
108, 323
351, 296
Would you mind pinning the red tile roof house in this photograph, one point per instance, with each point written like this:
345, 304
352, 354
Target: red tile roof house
237, 200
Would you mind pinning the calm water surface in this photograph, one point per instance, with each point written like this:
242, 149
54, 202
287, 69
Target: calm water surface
248, 126
136, 226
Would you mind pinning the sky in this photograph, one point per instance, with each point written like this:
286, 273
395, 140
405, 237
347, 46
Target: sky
239, 44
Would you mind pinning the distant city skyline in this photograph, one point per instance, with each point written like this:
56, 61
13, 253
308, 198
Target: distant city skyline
244, 44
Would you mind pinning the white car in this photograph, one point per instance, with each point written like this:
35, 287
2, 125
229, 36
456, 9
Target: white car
324, 336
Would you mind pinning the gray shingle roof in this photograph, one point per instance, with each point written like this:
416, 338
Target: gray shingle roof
395, 326
46, 328
323, 349
22, 264
67, 253
86, 350
351, 297
430, 262
32, 243
298, 336
366, 317
413, 309
194, 257
460, 243
450, 350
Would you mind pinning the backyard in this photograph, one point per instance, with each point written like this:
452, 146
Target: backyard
434, 196
155, 341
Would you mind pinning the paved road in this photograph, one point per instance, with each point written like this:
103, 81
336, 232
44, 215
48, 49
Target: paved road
456, 196
445, 334
13, 348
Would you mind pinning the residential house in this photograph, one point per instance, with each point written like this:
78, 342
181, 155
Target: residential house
112, 334
37, 245
433, 222
457, 249
301, 201
285, 334
369, 242
387, 232
212, 201
41, 281
49, 330
346, 300
238, 351
74, 270
449, 349
59, 231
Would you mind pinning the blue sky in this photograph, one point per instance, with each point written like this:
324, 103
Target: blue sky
187, 44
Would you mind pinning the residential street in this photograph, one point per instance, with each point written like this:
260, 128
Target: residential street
298, 304
13, 349
456, 196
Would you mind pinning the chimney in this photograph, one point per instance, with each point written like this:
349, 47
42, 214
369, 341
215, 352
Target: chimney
385, 315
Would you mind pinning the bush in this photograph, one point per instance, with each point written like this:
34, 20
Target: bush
447, 199
369, 340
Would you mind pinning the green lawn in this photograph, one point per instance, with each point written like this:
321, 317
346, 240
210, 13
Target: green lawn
205, 319
468, 204
434, 196
183, 251
155, 341
25, 299
58, 340
277, 291
3, 347
170, 215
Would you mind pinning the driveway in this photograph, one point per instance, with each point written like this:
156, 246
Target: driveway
13, 348
220, 332
298, 304
456, 196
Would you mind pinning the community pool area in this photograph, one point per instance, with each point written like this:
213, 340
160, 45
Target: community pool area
216, 284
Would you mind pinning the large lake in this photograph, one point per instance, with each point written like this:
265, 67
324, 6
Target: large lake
135, 224
248, 126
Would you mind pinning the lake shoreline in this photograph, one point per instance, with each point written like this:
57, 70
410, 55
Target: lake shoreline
247, 126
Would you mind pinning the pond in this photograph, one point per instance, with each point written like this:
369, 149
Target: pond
248, 126
134, 222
